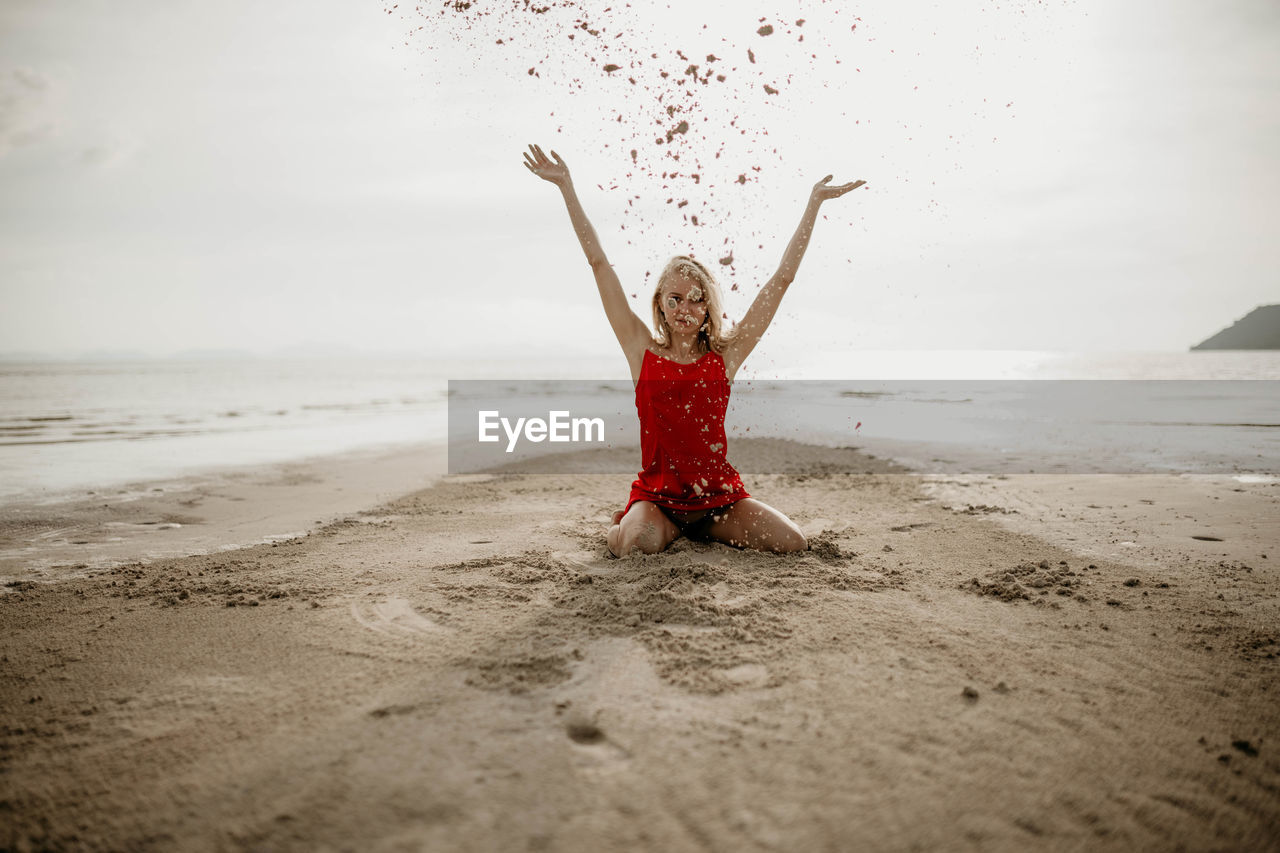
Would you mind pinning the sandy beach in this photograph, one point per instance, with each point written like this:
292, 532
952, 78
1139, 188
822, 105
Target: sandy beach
987, 663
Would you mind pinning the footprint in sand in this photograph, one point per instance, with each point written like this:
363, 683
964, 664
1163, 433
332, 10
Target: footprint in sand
746, 675
727, 600
577, 561
584, 733
395, 617
592, 749
907, 528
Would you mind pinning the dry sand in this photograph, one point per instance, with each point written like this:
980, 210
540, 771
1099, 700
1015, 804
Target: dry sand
465, 669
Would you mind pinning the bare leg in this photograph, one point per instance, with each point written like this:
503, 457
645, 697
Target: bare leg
753, 524
645, 528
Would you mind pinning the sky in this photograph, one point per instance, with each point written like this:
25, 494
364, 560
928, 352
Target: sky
299, 176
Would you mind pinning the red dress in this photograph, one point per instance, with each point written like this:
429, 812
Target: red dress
682, 439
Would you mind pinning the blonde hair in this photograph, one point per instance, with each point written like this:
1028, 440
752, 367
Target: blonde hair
713, 336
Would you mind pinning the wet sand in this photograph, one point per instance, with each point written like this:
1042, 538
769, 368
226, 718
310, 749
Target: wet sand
464, 668
50, 537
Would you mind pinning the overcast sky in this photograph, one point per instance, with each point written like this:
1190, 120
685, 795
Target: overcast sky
1093, 175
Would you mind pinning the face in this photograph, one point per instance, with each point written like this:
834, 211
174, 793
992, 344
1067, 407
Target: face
683, 304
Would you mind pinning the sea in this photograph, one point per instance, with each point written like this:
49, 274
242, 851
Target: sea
66, 426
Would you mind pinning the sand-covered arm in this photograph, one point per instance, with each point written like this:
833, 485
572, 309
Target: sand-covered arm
762, 310
629, 329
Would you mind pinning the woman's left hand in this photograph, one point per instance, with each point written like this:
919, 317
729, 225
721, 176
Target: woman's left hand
824, 189
556, 172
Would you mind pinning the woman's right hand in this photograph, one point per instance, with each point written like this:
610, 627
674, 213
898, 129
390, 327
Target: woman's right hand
557, 173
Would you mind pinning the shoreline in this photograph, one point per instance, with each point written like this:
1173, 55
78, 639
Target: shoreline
66, 534
464, 668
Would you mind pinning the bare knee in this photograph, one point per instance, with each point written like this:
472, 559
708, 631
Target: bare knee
645, 538
790, 541
786, 539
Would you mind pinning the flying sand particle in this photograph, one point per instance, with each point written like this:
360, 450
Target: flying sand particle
656, 85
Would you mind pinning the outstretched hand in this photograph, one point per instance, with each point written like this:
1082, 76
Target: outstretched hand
824, 190
556, 172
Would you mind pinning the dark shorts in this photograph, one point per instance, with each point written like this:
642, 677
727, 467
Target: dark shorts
694, 524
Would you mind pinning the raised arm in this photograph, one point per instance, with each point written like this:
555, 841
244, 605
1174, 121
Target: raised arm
762, 310
629, 329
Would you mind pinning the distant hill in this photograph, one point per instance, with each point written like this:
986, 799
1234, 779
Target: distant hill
1259, 329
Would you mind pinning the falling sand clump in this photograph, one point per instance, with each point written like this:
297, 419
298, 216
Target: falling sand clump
680, 113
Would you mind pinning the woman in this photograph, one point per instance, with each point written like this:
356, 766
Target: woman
682, 373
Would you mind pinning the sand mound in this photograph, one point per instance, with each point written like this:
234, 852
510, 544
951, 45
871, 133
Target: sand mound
1027, 581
